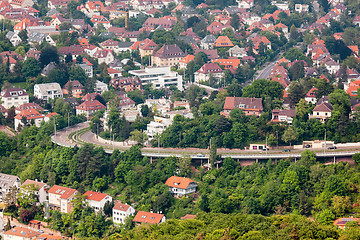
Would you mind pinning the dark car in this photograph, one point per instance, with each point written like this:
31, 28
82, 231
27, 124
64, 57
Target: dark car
286, 150
333, 147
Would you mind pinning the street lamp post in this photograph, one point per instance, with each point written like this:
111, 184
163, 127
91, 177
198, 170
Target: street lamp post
325, 141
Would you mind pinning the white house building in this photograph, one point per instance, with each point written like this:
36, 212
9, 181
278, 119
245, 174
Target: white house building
100, 87
157, 126
14, 97
180, 185
32, 116
6, 183
121, 212
39, 188
20, 233
97, 200
48, 91
160, 77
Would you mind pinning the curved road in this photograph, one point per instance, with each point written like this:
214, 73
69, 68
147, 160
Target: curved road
62, 138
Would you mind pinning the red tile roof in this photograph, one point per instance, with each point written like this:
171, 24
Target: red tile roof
147, 217
223, 41
22, 232
64, 192
29, 114
121, 207
94, 196
188, 216
91, 105
38, 185
243, 103
178, 182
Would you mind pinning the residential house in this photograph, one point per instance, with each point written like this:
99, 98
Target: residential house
113, 73
124, 101
39, 189
207, 42
72, 102
88, 68
165, 22
110, 44
90, 97
185, 60
14, 97
21, 3
36, 38
210, 53
223, 41
301, 8
73, 88
283, 115
97, 200
322, 111
149, 218
53, 4
180, 186
61, 198
100, 87
228, 63
332, 66
89, 108
250, 106
353, 87
10, 58
341, 222
157, 126
159, 77
121, 212
49, 236
6, 183
127, 84
238, 52
30, 116
104, 56
13, 38
32, 53
356, 21
310, 96
280, 75
168, 55
47, 91
99, 19
74, 50
27, 106
245, 3
207, 71
147, 47
20, 233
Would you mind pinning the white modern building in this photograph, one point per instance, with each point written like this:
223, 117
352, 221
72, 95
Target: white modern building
100, 87
14, 97
97, 200
157, 126
160, 77
48, 91
121, 212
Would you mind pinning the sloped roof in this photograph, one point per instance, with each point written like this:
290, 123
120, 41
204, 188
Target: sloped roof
169, 51
210, 68
247, 103
95, 196
121, 207
90, 105
323, 107
147, 217
29, 114
37, 184
178, 182
22, 232
64, 192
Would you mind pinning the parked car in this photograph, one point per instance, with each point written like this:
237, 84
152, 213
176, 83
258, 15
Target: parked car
286, 150
307, 146
333, 147
200, 155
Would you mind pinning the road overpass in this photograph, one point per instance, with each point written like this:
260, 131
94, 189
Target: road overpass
80, 134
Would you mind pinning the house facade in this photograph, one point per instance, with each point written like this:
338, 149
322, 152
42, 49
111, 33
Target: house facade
48, 91
6, 183
14, 97
61, 198
181, 186
149, 218
32, 116
39, 189
97, 200
89, 108
168, 55
250, 106
121, 212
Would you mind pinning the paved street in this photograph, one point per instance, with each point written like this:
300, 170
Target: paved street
265, 73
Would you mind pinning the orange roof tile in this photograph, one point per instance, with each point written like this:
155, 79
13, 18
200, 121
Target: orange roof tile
94, 196
121, 207
29, 114
63, 191
178, 182
147, 217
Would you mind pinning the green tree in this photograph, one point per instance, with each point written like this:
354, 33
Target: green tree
31, 67
48, 55
290, 135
